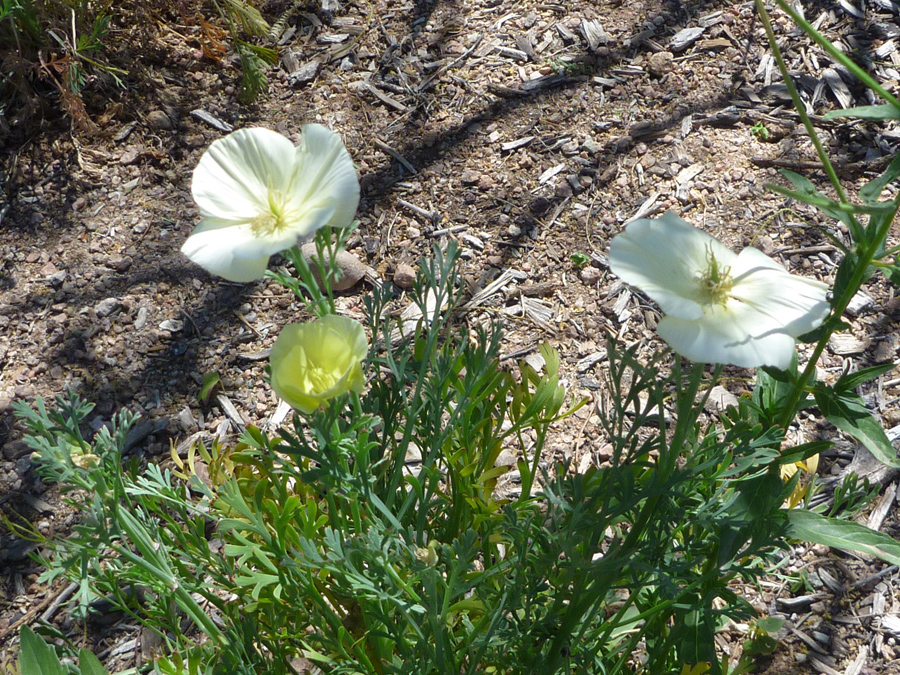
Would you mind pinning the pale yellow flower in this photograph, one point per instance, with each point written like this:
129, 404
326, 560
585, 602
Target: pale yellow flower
314, 362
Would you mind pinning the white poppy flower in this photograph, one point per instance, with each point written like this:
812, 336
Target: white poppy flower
259, 194
744, 310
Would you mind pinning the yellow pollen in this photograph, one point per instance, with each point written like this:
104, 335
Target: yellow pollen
715, 283
272, 220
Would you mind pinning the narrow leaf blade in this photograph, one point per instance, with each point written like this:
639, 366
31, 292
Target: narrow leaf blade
871, 191
847, 412
90, 664
36, 657
843, 534
851, 381
866, 112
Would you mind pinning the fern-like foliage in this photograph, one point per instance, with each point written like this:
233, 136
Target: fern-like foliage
239, 14
280, 24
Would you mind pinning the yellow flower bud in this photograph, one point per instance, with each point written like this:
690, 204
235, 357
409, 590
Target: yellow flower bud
428, 554
314, 362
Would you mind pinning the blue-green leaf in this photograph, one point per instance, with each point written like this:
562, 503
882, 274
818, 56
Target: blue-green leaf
803, 452
36, 657
885, 111
843, 534
847, 412
871, 191
90, 664
893, 273
850, 381
210, 380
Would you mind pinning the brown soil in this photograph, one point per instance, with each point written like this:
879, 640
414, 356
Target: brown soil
525, 140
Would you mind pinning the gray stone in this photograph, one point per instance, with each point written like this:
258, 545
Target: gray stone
108, 307
15, 449
720, 399
57, 280
591, 145
141, 319
590, 275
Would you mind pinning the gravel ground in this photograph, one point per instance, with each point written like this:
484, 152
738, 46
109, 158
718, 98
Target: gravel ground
526, 132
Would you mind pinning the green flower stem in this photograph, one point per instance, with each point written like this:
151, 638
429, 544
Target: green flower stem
592, 596
528, 479
109, 69
441, 268
871, 248
866, 256
686, 417
795, 97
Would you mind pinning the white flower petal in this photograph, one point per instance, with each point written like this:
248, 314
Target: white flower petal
796, 304
234, 175
220, 248
303, 227
243, 242
260, 195
663, 257
711, 340
325, 181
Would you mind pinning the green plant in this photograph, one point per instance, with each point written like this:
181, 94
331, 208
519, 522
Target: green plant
579, 260
36, 657
242, 17
51, 51
569, 67
379, 533
852, 495
335, 550
760, 131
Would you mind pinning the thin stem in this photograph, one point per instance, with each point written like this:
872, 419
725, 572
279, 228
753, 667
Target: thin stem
836, 54
866, 255
798, 103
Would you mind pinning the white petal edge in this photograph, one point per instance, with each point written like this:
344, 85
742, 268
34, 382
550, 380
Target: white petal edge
663, 257
704, 342
215, 250
797, 304
325, 180
233, 177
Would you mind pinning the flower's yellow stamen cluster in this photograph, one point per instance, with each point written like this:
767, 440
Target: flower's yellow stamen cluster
274, 219
314, 377
715, 284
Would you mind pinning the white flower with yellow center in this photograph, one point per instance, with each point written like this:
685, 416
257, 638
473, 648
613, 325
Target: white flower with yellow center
259, 194
745, 310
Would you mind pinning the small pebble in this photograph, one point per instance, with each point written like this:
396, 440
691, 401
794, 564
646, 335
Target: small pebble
590, 276
352, 269
107, 307
660, 63
157, 119
141, 319
405, 276
820, 550
172, 325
